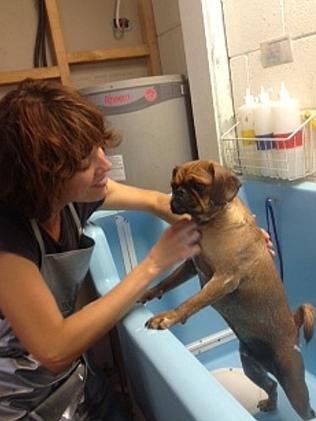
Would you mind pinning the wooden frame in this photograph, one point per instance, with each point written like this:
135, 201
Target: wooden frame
148, 50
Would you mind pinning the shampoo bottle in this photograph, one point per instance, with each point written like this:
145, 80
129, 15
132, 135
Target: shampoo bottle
263, 130
247, 146
288, 140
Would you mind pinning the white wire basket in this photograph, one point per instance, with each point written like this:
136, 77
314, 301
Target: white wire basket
287, 158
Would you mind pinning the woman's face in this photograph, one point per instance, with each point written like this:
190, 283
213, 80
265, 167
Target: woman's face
90, 184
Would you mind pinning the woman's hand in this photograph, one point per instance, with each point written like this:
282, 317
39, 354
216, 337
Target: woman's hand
268, 241
162, 209
177, 243
121, 196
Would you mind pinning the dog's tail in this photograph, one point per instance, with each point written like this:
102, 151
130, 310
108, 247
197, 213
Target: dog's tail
305, 316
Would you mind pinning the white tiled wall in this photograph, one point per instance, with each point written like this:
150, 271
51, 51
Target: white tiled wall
251, 22
300, 16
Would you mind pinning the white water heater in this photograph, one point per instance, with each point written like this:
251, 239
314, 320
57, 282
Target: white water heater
153, 114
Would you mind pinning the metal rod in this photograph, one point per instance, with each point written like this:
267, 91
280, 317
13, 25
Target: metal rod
211, 341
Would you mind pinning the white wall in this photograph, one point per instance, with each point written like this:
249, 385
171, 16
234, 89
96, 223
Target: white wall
251, 22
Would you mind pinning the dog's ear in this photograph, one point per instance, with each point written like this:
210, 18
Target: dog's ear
174, 171
225, 184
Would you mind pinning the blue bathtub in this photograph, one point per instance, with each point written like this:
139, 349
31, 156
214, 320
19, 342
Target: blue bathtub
170, 370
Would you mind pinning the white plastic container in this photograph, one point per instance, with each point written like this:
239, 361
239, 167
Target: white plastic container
286, 119
248, 153
264, 131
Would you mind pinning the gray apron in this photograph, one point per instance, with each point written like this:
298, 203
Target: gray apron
28, 391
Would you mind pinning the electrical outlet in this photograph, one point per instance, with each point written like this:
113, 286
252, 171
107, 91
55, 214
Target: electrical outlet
124, 23
277, 51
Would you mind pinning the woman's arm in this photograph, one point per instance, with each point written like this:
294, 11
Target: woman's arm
31, 310
120, 196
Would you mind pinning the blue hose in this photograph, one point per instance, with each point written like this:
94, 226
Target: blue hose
270, 215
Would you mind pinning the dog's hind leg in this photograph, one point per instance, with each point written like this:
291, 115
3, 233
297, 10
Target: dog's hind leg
290, 372
258, 374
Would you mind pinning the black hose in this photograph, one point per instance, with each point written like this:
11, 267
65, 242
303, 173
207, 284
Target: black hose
270, 212
39, 58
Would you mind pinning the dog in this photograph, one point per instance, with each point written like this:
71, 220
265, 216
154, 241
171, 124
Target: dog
238, 278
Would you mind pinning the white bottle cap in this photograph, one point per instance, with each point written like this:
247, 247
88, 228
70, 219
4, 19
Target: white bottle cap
245, 113
262, 114
284, 95
263, 96
249, 99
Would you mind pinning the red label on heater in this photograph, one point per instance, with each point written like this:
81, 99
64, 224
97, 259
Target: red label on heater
293, 142
117, 99
150, 94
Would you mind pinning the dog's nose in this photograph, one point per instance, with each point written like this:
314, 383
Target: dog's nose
176, 207
178, 204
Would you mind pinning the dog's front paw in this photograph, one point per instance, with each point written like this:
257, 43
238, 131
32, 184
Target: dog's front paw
267, 405
151, 294
162, 321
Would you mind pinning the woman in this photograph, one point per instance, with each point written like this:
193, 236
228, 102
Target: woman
53, 176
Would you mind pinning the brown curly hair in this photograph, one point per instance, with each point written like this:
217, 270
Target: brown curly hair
46, 131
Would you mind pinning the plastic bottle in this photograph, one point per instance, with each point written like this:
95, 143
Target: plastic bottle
247, 148
246, 117
264, 131
290, 148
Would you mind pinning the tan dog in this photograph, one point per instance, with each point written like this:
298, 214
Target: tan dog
239, 280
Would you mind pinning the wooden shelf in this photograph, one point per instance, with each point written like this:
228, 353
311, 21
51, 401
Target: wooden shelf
148, 50
110, 54
8, 78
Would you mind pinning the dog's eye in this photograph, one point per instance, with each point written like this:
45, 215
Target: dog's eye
199, 187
